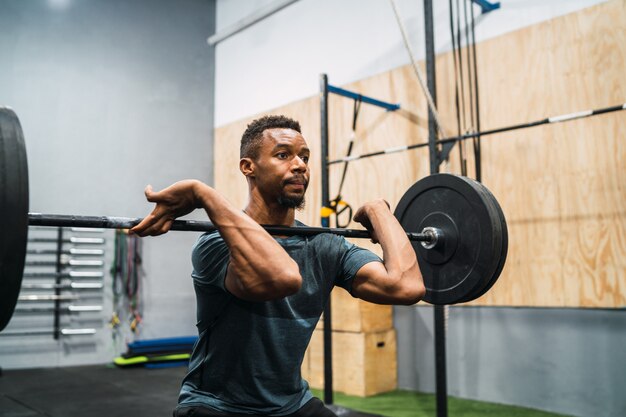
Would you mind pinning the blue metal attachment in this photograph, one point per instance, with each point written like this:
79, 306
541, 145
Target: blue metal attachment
364, 99
486, 6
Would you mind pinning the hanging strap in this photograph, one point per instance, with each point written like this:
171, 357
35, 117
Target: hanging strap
355, 115
337, 205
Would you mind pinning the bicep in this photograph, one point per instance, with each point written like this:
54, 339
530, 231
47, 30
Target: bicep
372, 283
232, 283
264, 281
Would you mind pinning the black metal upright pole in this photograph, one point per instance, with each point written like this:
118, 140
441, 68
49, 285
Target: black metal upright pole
432, 84
439, 316
477, 156
328, 335
57, 290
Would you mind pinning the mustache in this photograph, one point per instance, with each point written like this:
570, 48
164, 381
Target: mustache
296, 180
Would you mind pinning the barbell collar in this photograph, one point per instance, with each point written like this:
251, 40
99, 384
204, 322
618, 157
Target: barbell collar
435, 237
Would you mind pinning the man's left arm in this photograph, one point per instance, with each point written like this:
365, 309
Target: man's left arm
398, 279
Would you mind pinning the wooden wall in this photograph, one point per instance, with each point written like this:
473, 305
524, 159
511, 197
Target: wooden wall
561, 186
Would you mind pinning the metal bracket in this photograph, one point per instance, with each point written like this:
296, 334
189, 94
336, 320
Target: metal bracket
364, 99
485, 6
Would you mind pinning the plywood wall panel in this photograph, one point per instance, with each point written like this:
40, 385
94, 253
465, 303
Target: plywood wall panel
561, 186
560, 179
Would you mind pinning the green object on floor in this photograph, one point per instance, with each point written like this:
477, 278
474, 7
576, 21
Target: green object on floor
144, 359
416, 404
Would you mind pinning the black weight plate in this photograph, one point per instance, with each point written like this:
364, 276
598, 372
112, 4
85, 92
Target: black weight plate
504, 250
491, 205
471, 227
497, 249
498, 237
13, 211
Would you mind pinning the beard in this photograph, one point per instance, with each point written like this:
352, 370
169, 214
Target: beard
297, 203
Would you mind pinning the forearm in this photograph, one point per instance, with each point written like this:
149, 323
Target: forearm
399, 256
259, 269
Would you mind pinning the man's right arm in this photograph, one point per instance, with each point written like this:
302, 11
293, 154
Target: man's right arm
259, 268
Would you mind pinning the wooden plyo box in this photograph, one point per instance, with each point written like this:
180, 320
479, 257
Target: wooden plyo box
363, 363
351, 314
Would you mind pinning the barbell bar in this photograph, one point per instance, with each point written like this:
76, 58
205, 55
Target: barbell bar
455, 225
105, 222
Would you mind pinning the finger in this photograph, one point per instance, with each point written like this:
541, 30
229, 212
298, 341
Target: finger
373, 235
150, 194
358, 216
147, 222
156, 227
162, 196
167, 225
364, 221
140, 228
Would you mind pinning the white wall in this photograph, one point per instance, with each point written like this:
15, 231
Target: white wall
279, 59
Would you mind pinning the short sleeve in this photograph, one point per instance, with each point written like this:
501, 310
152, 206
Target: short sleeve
353, 259
210, 257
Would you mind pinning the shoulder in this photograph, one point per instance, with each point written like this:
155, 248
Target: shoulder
210, 257
208, 240
340, 248
208, 246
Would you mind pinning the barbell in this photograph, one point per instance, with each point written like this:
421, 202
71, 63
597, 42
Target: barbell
455, 225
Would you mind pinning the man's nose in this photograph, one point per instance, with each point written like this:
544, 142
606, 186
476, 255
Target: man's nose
298, 164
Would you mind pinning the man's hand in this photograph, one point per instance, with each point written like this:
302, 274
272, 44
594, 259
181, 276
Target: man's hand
398, 279
172, 202
368, 209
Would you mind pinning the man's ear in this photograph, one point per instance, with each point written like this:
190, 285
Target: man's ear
246, 166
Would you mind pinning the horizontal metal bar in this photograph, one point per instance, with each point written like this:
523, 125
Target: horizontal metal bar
47, 297
71, 251
73, 240
86, 230
64, 332
63, 310
77, 332
70, 286
548, 120
84, 308
70, 274
364, 99
249, 20
194, 226
70, 262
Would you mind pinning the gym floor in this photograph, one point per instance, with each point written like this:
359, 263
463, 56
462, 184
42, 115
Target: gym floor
99, 391
93, 391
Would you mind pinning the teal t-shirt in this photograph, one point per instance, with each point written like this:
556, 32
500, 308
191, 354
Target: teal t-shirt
247, 359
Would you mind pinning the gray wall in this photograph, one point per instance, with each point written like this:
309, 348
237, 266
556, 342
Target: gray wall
112, 95
570, 361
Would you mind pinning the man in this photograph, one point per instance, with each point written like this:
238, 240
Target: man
259, 296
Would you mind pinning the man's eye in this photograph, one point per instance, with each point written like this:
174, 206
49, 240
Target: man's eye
305, 159
282, 155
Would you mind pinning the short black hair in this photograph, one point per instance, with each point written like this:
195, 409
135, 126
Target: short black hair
251, 138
